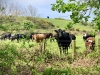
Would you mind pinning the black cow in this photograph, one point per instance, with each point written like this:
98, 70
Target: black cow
30, 36
73, 37
5, 36
18, 37
87, 35
48, 35
13, 37
48, 17
63, 39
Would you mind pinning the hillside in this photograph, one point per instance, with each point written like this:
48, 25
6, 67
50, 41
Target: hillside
11, 23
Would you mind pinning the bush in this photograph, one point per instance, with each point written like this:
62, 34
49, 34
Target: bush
77, 29
69, 25
51, 71
60, 18
8, 53
84, 30
84, 23
27, 24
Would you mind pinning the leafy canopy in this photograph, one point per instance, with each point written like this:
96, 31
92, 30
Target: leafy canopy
81, 10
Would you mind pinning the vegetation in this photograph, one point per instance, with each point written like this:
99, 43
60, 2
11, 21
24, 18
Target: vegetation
25, 57
81, 10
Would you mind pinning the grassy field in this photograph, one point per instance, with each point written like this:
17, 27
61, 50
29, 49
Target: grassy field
30, 60
62, 24
51, 58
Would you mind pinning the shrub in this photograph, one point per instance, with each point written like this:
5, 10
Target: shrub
77, 29
69, 25
8, 53
84, 23
51, 71
27, 24
60, 18
84, 30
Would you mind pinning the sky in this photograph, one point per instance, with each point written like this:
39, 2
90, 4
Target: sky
43, 7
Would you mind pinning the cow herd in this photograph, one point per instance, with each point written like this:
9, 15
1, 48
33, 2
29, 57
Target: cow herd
62, 37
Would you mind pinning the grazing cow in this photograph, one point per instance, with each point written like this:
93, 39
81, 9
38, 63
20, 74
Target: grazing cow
63, 40
90, 43
17, 37
73, 37
5, 36
20, 36
86, 35
41, 36
48, 17
48, 35
13, 37
53, 37
31, 35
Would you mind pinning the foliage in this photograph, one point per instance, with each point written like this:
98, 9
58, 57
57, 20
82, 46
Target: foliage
84, 23
27, 24
51, 71
60, 18
69, 25
86, 71
30, 61
3, 28
81, 10
40, 23
8, 53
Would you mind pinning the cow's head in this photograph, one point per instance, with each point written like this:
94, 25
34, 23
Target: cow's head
59, 32
90, 43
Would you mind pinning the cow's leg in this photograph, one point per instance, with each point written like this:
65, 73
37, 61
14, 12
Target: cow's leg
67, 50
64, 50
18, 40
60, 50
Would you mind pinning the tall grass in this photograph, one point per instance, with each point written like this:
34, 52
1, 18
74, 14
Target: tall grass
25, 58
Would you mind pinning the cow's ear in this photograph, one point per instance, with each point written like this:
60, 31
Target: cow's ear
63, 30
55, 31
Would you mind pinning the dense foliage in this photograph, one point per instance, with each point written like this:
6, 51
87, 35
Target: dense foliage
81, 10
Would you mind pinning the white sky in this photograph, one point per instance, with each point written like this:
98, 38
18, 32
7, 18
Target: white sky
43, 7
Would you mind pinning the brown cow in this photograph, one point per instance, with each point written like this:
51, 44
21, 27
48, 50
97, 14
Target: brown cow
90, 44
41, 36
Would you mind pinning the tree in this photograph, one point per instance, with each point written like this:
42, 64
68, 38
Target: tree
81, 10
15, 9
3, 6
32, 11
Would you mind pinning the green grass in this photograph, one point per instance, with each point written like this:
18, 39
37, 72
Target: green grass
51, 46
62, 24
58, 24
28, 49
56, 61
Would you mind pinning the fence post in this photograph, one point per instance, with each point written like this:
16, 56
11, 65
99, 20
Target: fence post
73, 49
44, 43
99, 44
